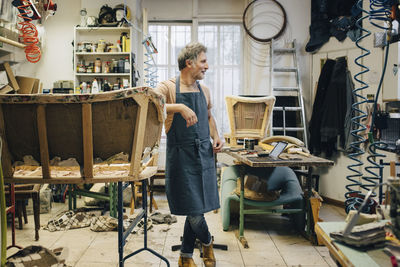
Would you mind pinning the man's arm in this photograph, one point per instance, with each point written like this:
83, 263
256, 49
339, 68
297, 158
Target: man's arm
217, 142
188, 114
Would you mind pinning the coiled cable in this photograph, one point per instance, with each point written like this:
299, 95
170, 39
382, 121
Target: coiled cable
150, 67
354, 197
380, 11
29, 33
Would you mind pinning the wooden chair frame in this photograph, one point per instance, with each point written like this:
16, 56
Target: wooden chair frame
262, 110
149, 116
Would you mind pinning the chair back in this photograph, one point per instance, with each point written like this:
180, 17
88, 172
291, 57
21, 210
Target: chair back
249, 117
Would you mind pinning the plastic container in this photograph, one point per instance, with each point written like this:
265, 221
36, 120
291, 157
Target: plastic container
127, 65
95, 87
121, 65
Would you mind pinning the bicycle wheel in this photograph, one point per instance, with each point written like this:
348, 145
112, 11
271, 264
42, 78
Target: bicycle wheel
264, 20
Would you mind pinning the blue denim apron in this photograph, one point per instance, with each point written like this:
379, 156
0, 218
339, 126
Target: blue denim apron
190, 176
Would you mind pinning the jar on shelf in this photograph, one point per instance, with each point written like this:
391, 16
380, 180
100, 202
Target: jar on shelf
90, 67
81, 68
97, 65
121, 64
114, 66
101, 46
79, 47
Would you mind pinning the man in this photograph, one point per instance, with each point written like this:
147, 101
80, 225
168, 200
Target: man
190, 176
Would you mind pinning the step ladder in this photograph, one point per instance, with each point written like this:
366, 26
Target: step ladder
288, 113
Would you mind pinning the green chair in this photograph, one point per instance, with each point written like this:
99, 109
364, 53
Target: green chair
278, 178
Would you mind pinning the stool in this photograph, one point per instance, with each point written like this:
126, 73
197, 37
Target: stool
22, 193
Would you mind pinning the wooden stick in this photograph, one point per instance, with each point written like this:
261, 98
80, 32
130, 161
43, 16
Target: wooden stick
393, 169
43, 142
140, 127
11, 42
87, 140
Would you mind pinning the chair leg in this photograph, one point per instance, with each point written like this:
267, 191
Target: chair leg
132, 205
36, 214
19, 213
23, 205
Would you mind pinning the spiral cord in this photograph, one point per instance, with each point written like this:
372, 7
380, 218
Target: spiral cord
379, 12
29, 33
354, 197
379, 17
150, 67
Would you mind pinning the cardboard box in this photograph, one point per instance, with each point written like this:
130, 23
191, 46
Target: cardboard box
26, 84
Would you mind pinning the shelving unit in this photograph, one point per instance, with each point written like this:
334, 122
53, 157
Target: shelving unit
93, 35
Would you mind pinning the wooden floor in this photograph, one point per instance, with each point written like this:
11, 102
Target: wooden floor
272, 241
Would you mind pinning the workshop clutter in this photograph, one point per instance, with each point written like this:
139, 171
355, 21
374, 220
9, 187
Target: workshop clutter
17, 84
102, 46
101, 85
121, 65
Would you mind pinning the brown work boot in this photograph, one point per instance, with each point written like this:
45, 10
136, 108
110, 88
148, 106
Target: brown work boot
186, 262
208, 256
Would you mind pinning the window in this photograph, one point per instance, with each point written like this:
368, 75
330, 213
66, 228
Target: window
169, 40
224, 77
224, 54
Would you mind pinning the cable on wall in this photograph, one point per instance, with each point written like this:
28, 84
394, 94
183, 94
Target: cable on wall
354, 196
379, 16
380, 11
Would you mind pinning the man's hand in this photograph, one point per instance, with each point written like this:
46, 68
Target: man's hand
189, 115
218, 144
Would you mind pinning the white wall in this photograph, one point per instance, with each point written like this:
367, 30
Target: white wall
57, 51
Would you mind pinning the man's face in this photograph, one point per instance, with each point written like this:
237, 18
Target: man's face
199, 66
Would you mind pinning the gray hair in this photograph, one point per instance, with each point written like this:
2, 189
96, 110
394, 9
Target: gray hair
190, 51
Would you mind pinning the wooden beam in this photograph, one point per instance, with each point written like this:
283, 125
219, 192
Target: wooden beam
138, 137
10, 75
87, 140
43, 142
5, 153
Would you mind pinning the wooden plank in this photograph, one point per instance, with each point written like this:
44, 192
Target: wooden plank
43, 142
11, 79
5, 153
138, 138
87, 128
334, 251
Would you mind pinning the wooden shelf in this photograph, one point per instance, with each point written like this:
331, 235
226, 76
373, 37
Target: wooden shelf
102, 29
102, 53
102, 74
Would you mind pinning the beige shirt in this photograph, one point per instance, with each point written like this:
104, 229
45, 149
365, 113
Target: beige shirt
167, 88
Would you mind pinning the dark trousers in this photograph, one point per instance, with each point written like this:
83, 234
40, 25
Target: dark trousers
195, 228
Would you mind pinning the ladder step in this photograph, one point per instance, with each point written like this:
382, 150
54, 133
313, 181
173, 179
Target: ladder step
287, 108
285, 88
284, 50
288, 129
284, 69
